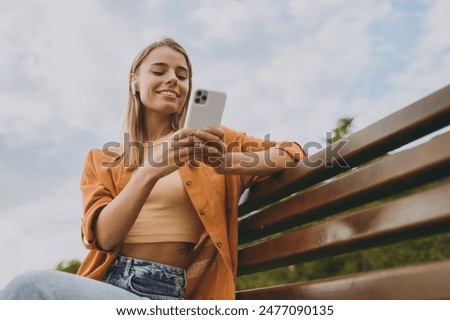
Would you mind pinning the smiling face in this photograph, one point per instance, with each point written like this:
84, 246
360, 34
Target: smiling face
162, 81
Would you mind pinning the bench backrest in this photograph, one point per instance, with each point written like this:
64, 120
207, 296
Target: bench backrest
359, 193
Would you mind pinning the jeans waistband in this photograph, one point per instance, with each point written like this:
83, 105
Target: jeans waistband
124, 259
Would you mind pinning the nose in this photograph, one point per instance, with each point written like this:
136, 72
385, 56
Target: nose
171, 78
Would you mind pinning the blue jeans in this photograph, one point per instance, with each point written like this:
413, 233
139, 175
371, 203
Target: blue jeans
147, 279
166, 283
58, 285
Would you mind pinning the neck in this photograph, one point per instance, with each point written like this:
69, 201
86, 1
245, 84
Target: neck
155, 135
158, 127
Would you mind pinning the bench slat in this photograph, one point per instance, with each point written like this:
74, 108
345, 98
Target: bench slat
414, 215
406, 125
384, 177
427, 281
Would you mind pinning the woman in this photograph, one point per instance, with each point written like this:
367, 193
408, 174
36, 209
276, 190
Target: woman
161, 211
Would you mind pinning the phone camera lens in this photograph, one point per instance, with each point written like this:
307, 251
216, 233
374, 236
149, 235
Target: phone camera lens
201, 96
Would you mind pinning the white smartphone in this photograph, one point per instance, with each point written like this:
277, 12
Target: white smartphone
205, 109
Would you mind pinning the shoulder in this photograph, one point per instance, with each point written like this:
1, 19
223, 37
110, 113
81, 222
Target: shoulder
103, 158
105, 169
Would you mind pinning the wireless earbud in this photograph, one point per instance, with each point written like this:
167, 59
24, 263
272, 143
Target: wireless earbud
133, 88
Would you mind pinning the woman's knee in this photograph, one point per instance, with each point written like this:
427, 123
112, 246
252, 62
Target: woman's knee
29, 285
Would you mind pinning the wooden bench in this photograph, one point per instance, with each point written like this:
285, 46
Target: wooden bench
374, 195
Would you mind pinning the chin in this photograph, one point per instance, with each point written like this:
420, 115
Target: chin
162, 110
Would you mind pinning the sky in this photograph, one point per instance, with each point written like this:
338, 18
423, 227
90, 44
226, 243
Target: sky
290, 68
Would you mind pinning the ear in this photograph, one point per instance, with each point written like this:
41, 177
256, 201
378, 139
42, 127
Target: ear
133, 78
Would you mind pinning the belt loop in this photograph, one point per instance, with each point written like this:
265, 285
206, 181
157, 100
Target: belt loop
126, 272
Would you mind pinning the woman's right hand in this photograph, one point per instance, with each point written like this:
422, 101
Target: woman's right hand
167, 156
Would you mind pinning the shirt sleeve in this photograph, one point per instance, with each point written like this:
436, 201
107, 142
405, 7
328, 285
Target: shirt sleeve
238, 141
96, 194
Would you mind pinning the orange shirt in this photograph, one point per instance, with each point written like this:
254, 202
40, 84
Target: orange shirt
215, 198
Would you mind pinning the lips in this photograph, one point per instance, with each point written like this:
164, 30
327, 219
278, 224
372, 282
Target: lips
168, 93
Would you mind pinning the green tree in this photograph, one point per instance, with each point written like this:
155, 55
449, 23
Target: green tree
70, 266
342, 129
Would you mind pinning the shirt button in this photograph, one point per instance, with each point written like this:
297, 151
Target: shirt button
202, 212
188, 183
219, 244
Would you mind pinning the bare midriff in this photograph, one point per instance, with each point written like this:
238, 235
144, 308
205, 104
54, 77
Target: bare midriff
177, 254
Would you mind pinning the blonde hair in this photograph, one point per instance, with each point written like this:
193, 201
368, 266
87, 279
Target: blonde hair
135, 120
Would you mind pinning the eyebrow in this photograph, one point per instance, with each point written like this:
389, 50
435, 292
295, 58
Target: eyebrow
162, 64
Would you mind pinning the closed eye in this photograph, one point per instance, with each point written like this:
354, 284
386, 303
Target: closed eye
160, 69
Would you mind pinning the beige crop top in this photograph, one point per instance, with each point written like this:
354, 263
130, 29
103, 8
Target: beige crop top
167, 216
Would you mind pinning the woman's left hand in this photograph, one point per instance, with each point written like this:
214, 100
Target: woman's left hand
212, 148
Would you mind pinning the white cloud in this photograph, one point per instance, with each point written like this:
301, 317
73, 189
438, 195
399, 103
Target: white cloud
427, 66
437, 25
62, 70
429, 63
222, 20
41, 233
303, 80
